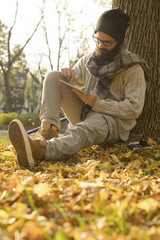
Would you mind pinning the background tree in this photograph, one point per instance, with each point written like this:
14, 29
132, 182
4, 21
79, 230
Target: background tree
68, 36
143, 37
33, 91
17, 81
8, 56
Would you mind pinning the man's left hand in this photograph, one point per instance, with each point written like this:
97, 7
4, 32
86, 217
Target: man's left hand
88, 99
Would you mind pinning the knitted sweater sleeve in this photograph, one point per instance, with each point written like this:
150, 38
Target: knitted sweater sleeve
131, 105
80, 67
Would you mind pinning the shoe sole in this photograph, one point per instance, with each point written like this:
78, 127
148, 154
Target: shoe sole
20, 141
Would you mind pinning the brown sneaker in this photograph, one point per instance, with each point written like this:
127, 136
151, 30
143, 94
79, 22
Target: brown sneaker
29, 152
47, 131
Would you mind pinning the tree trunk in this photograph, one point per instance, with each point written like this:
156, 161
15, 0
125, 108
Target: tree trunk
8, 92
10, 58
143, 37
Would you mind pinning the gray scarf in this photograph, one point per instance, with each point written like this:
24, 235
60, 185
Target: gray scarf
107, 72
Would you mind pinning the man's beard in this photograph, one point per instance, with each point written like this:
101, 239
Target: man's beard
104, 56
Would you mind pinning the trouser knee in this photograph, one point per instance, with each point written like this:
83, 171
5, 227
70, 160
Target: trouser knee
52, 78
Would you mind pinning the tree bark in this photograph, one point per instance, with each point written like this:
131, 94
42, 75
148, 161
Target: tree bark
8, 92
143, 37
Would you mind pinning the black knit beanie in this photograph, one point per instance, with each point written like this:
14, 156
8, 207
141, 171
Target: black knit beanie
114, 23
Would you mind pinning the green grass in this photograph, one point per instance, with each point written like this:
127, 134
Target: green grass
5, 141
4, 138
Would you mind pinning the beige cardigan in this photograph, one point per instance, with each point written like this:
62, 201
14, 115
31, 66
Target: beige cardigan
125, 99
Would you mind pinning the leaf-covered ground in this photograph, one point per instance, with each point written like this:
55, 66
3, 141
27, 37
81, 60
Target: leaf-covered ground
101, 193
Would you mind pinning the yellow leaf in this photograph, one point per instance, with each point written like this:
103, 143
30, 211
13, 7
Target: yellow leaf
135, 231
146, 204
20, 188
8, 154
41, 189
69, 169
3, 214
128, 154
122, 206
103, 195
91, 184
154, 165
20, 210
114, 157
102, 175
15, 226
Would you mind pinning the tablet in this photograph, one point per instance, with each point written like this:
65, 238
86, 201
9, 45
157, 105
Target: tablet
74, 86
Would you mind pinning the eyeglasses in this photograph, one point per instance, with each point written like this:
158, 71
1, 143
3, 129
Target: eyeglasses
105, 43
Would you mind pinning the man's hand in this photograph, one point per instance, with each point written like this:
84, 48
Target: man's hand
88, 99
68, 73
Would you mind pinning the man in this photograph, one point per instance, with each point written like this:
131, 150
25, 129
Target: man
114, 87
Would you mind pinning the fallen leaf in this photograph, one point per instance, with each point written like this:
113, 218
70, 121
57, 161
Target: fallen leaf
33, 231
41, 189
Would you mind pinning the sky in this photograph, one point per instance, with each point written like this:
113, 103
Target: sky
86, 13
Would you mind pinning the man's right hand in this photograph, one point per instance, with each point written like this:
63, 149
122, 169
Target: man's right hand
68, 73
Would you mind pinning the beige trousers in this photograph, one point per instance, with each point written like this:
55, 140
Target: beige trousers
94, 130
